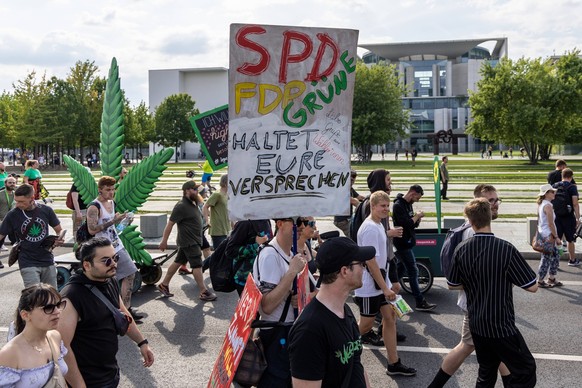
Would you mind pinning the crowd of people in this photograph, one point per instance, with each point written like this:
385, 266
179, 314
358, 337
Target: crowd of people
55, 334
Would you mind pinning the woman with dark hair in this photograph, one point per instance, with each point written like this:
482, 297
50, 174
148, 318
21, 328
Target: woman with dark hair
23, 360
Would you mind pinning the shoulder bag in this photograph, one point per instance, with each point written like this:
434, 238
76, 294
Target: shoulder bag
57, 380
15, 250
122, 320
538, 244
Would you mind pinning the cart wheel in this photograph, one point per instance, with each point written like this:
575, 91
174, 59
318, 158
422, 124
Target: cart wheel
63, 276
425, 279
136, 283
151, 274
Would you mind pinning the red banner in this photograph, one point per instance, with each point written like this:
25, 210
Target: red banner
303, 294
236, 337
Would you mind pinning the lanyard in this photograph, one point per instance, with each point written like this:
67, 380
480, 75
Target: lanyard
9, 200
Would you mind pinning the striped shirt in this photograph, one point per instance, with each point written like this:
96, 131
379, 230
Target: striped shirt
487, 267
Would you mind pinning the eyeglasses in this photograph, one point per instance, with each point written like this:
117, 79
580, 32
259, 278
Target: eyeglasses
50, 308
362, 263
493, 201
306, 223
110, 260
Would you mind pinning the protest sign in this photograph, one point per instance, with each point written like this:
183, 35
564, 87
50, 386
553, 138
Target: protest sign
290, 110
211, 129
236, 337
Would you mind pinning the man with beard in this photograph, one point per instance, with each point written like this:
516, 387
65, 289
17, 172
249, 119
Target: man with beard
186, 214
87, 326
29, 222
324, 343
6, 203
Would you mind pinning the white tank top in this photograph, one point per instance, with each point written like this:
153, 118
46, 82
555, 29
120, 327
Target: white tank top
109, 233
543, 224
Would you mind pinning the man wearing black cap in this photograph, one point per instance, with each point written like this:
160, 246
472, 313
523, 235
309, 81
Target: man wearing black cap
187, 215
324, 343
404, 215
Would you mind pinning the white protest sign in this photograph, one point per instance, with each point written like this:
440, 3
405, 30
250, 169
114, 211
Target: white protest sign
290, 110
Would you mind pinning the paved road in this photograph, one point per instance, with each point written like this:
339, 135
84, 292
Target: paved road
186, 334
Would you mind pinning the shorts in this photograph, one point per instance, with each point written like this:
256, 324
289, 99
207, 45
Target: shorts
370, 305
566, 226
191, 254
466, 336
206, 177
205, 243
125, 266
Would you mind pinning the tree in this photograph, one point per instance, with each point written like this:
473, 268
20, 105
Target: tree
377, 115
530, 102
173, 121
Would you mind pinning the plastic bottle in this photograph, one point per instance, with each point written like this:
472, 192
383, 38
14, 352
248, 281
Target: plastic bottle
126, 221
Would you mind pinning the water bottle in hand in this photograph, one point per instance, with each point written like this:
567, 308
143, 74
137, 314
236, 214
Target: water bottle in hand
126, 221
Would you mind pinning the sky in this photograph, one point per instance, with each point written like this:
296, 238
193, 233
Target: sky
50, 36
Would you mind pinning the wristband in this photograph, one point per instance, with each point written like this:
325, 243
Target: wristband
145, 341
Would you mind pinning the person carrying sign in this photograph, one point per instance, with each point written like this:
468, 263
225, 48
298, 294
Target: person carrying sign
274, 271
325, 346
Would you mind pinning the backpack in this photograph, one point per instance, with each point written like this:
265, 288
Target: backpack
454, 237
221, 269
358, 218
69, 201
562, 202
83, 233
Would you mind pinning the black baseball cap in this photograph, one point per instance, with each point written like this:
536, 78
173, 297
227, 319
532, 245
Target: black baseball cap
339, 252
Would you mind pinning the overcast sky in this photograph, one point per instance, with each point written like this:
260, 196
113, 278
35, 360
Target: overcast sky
51, 35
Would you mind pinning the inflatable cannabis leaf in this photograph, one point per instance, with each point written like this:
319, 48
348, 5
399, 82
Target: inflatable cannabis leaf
134, 190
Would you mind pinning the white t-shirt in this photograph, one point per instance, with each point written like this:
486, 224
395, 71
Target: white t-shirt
373, 234
268, 270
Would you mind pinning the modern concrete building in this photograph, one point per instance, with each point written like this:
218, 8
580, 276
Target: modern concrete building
207, 86
438, 76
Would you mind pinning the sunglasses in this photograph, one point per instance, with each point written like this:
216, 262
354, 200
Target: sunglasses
110, 260
50, 308
362, 263
305, 223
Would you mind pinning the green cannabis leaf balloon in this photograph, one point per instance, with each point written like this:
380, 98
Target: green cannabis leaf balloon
134, 190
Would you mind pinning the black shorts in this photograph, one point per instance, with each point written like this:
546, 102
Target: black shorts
566, 226
370, 306
191, 254
205, 243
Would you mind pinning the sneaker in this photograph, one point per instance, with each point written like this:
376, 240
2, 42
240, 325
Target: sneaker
1, 265
165, 290
184, 270
207, 296
425, 306
135, 315
399, 368
372, 338
574, 263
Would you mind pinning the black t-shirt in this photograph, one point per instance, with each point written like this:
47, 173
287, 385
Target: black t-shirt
324, 347
32, 254
82, 205
95, 342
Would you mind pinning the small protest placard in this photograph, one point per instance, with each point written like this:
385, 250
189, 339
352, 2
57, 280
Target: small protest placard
211, 129
236, 337
290, 110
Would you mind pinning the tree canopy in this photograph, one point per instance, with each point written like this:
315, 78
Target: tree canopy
173, 120
377, 115
532, 102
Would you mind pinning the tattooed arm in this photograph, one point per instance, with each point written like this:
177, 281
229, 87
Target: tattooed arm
93, 220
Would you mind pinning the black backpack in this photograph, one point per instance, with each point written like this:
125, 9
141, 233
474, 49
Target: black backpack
222, 270
562, 203
454, 237
83, 233
361, 213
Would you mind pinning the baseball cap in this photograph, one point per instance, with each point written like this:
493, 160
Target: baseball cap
339, 252
189, 185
